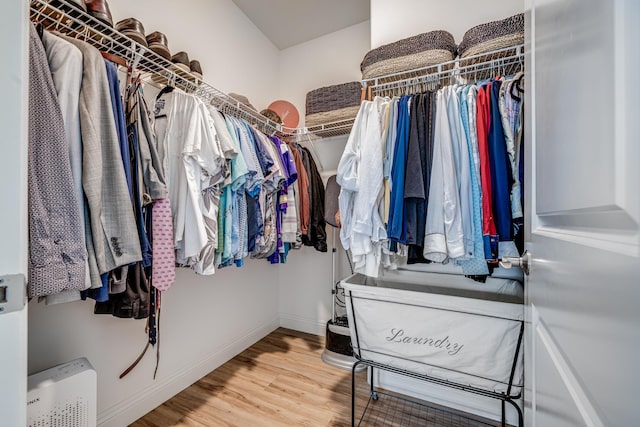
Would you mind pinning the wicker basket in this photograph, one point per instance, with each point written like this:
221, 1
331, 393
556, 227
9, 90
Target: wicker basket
333, 103
418, 51
492, 36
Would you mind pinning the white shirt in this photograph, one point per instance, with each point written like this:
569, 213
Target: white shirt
193, 160
443, 230
360, 175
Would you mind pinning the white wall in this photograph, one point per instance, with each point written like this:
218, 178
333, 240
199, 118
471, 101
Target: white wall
205, 320
306, 280
235, 55
328, 60
398, 19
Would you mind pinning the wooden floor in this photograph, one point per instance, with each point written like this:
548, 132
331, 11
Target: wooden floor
279, 381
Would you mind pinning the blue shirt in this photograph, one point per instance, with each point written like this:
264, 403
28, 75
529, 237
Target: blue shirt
396, 227
118, 114
501, 177
476, 265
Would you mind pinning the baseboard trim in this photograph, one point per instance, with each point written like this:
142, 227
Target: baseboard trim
302, 324
129, 410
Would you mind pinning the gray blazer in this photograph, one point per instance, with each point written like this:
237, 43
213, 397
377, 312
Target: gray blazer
113, 226
57, 254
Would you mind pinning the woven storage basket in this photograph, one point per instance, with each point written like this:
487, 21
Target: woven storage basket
332, 103
492, 36
418, 51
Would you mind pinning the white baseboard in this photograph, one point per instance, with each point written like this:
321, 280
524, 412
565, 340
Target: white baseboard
302, 324
129, 410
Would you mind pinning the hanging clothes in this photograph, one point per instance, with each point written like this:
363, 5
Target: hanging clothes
113, 225
414, 180
483, 115
317, 236
303, 194
65, 64
360, 176
475, 265
130, 286
184, 132
423, 132
57, 255
462, 164
396, 228
390, 125
444, 237
450, 167
499, 163
511, 113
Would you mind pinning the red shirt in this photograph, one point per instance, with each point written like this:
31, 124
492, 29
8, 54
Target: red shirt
483, 119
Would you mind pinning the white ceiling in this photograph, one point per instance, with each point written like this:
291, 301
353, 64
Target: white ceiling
290, 22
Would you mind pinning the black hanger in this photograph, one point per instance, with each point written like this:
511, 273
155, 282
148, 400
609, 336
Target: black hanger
166, 89
40, 30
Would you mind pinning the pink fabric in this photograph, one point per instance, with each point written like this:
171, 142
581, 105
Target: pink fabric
163, 267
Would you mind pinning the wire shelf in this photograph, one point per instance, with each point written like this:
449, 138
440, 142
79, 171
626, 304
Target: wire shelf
388, 410
325, 130
62, 16
474, 68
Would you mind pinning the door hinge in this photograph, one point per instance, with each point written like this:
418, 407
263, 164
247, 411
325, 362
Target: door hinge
13, 293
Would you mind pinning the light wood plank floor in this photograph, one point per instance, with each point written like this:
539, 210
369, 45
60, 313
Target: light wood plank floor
279, 381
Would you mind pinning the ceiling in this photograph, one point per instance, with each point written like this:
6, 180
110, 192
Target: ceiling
290, 22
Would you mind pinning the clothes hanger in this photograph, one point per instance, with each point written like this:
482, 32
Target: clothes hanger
39, 13
517, 85
40, 30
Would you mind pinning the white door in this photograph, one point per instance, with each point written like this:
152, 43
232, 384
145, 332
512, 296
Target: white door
583, 346
13, 212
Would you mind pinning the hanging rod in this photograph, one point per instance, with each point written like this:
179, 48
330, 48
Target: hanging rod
63, 17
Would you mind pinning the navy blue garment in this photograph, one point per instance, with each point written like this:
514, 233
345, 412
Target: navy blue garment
518, 224
121, 126
265, 160
100, 294
501, 177
139, 209
255, 223
396, 227
414, 177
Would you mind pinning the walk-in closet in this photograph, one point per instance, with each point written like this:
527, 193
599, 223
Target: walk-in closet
319, 213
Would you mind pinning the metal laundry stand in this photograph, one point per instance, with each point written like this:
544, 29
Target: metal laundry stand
505, 397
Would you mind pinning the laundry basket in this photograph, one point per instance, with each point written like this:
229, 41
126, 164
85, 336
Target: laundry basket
490, 37
333, 103
418, 51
